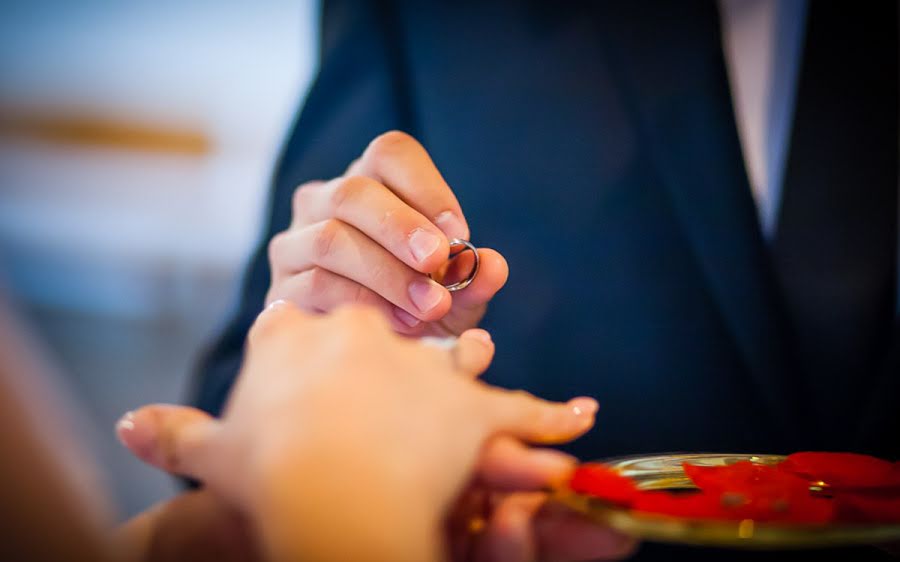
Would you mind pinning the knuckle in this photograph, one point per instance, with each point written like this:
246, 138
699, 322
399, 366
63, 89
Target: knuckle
361, 295
389, 144
275, 248
521, 395
299, 199
346, 192
318, 282
261, 326
523, 400
268, 327
324, 238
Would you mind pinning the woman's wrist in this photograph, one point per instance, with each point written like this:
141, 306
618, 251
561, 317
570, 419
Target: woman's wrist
324, 509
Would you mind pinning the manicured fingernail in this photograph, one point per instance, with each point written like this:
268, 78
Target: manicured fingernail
425, 294
125, 424
423, 243
274, 305
451, 225
406, 317
584, 406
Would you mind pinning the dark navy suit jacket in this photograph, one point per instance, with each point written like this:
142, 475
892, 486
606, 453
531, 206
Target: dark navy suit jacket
594, 145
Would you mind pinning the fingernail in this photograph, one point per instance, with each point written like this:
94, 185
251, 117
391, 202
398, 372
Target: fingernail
125, 424
406, 317
584, 406
423, 243
481, 335
425, 294
451, 225
276, 304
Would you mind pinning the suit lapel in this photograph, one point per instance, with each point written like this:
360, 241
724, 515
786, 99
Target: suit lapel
671, 60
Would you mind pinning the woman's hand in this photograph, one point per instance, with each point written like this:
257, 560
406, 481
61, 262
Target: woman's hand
373, 235
343, 440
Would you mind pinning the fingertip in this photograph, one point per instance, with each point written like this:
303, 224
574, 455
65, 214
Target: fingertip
429, 249
271, 311
271, 316
275, 308
138, 432
164, 435
497, 262
585, 410
480, 335
126, 422
492, 276
584, 405
125, 427
474, 351
429, 300
541, 421
277, 304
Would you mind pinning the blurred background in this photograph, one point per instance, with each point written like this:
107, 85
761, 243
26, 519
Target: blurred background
136, 144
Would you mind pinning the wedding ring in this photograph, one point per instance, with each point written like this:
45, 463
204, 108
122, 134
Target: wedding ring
458, 246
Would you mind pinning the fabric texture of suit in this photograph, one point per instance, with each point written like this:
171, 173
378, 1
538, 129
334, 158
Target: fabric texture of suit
594, 145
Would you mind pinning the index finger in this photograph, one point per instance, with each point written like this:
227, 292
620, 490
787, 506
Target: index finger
398, 161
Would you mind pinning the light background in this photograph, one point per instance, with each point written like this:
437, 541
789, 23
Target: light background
125, 255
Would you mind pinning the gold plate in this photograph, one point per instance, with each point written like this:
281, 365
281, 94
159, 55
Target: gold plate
664, 472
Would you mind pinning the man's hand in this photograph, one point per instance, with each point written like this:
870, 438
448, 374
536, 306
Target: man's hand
373, 235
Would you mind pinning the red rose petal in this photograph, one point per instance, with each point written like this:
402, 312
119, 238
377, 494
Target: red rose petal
731, 506
792, 508
760, 492
704, 477
842, 471
744, 477
867, 508
600, 481
859, 489
692, 505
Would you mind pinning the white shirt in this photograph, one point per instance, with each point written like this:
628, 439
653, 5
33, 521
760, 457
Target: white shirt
762, 41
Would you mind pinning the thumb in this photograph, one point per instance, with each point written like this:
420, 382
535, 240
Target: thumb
469, 304
176, 439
